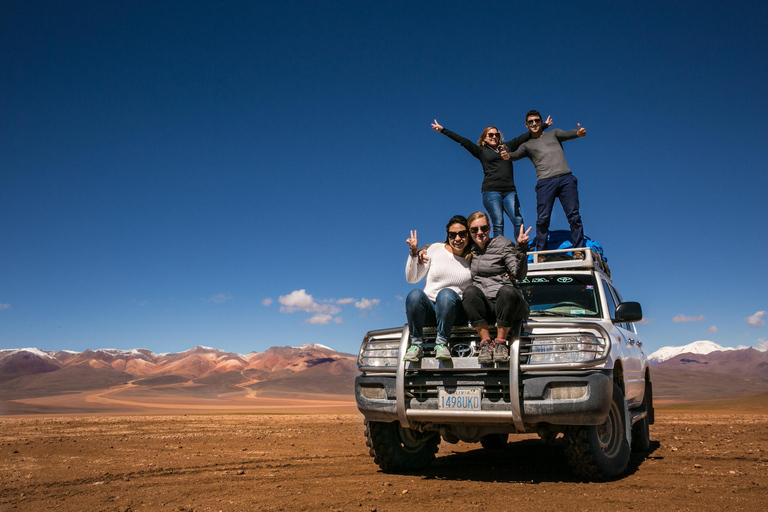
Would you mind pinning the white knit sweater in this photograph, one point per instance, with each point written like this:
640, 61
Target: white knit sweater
443, 270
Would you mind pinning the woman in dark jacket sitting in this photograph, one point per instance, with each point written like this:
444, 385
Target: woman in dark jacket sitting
494, 297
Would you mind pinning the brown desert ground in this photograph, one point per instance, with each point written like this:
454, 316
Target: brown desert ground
707, 456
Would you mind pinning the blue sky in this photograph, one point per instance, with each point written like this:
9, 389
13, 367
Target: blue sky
240, 175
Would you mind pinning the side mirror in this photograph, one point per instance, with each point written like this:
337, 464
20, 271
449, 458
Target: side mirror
628, 312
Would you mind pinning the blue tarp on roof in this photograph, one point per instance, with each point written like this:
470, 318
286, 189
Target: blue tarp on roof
561, 239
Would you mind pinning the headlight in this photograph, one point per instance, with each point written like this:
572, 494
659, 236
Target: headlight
565, 349
379, 351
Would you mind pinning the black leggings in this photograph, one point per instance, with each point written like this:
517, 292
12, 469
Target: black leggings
508, 306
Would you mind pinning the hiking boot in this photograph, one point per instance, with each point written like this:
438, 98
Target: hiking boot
500, 353
486, 352
442, 352
414, 353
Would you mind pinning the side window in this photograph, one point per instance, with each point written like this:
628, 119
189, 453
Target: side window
610, 300
618, 300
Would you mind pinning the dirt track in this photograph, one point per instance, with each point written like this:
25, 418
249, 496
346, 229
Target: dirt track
700, 461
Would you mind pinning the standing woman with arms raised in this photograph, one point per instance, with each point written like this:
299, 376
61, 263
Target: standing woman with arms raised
499, 193
446, 267
497, 265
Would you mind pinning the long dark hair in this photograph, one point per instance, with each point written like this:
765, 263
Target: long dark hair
460, 219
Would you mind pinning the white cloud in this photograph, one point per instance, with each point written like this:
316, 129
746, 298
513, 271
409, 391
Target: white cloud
364, 303
646, 321
300, 300
683, 318
399, 297
324, 311
712, 329
762, 345
267, 302
220, 297
756, 320
143, 303
4, 306
319, 319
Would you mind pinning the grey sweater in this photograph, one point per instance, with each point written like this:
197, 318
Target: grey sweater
546, 153
500, 257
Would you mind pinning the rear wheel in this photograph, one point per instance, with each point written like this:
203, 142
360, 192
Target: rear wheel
601, 452
396, 449
494, 441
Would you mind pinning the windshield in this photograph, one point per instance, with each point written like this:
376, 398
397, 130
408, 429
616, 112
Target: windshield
562, 295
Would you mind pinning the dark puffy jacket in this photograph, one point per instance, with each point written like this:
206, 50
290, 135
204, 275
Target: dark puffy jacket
490, 266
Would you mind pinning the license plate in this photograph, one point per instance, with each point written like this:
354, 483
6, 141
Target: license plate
464, 399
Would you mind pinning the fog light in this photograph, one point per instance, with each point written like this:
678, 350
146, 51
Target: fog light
373, 392
568, 392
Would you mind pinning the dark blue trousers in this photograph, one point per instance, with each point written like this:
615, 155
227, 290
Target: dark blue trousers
564, 188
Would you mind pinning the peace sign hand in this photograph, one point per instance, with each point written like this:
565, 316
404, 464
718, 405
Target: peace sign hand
523, 238
413, 243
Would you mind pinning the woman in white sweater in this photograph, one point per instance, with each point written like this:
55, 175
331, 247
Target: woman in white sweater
446, 268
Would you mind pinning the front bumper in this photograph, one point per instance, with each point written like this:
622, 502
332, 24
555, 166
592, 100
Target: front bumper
574, 398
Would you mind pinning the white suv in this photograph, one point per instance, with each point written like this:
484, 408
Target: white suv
577, 367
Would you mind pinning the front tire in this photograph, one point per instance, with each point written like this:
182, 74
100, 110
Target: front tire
396, 449
601, 452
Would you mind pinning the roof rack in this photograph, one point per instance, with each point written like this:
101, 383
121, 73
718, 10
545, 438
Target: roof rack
569, 259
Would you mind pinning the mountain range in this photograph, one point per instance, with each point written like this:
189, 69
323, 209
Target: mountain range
200, 373
711, 357
699, 371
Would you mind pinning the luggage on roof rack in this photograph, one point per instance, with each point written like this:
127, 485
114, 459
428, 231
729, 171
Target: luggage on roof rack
561, 254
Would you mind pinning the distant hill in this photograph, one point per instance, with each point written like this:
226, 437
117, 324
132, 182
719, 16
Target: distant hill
202, 371
697, 347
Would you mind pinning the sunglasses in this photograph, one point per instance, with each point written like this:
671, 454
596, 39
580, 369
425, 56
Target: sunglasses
493, 134
532, 122
484, 228
460, 234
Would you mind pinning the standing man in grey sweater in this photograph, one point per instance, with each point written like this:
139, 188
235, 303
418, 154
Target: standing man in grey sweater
555, 180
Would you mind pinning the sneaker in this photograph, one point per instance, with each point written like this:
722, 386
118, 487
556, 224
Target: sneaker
414, 353
442, 352
500, 353
486, 352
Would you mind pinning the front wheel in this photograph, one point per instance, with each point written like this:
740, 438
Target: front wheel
601, 452
397, 449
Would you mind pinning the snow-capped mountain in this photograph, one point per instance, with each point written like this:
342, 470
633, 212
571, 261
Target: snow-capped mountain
697, 347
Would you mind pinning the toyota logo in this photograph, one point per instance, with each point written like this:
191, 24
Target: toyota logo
462, 350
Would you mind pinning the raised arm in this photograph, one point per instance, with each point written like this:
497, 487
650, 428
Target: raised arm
571, 134
465, 143
415, 270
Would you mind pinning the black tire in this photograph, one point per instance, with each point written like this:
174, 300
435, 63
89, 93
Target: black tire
494, 441
600, 452
397, 449
641, 433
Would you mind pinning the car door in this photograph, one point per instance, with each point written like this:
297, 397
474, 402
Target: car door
632, 349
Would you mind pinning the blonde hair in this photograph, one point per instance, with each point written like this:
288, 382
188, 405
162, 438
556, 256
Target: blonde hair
472, 218
482, 142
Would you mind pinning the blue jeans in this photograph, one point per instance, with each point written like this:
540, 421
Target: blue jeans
443, 312
565, 188
496, 203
